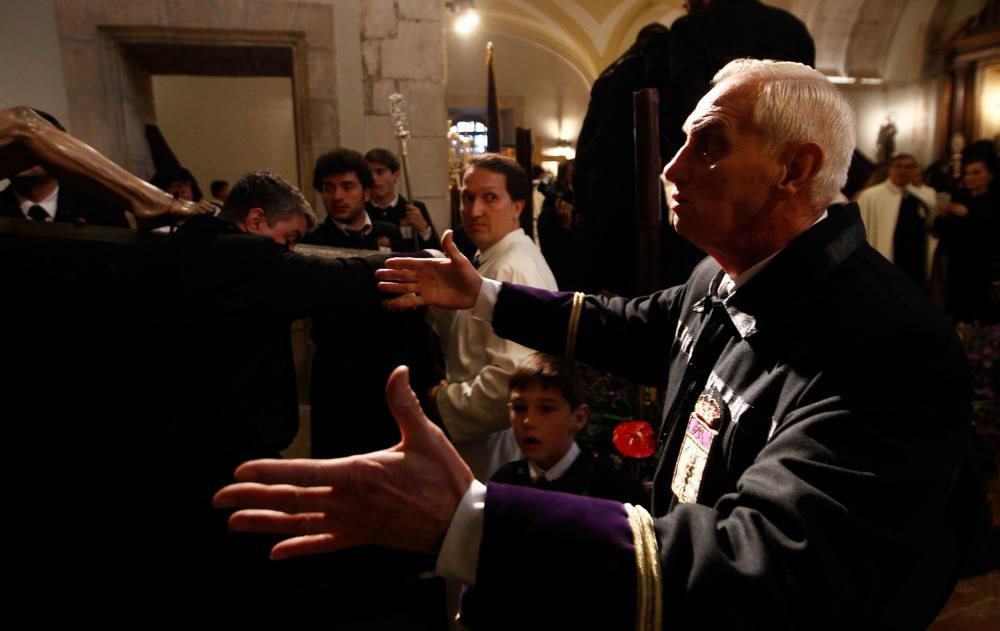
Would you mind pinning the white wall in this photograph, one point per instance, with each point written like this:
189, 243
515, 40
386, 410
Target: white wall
990, 102
32, 62
912, 100
914, 108
350, 103
222, 127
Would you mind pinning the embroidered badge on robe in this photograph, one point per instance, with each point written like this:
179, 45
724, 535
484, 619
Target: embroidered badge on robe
702, 428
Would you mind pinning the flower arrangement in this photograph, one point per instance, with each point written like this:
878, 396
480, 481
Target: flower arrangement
982, 348
623, 421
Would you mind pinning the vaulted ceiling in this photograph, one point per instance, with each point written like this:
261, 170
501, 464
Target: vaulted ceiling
862, 38
549, 52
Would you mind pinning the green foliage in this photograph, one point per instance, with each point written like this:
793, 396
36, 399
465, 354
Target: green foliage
982, 348
614, 400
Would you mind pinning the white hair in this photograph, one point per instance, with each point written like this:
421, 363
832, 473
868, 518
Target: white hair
796, 103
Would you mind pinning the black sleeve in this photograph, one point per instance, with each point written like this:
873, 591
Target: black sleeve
435, 241
304, 286
631, 338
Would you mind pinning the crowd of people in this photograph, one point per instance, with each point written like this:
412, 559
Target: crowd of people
943, 238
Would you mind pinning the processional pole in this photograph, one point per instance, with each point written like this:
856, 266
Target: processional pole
400, 122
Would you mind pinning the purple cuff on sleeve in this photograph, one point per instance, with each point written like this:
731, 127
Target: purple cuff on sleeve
552, 560
536, 318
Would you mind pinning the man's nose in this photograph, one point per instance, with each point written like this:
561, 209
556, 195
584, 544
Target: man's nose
475, 207
674, 170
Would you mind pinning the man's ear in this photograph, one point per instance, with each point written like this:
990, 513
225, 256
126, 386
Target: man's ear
256, 220
367, 195
518, 207
581, 416
802, 163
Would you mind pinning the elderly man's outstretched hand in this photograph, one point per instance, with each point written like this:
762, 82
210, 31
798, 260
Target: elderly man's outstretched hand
403, 497
450, 282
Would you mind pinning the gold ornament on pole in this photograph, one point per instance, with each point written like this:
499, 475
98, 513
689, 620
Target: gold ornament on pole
401, 124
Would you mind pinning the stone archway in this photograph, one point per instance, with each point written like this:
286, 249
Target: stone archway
111, 48
146, 51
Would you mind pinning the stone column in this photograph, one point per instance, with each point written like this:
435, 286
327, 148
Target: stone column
403, 50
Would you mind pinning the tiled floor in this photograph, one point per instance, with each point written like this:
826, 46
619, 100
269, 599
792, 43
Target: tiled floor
975, 605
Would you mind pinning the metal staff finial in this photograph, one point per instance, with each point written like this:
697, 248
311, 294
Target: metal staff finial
397, 110
401, 124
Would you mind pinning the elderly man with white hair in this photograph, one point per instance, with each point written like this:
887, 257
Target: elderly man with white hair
811, 452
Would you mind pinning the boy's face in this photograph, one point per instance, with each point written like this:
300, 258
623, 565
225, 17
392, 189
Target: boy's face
385, 180
544, 424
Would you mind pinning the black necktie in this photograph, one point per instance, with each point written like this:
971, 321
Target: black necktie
37, 213
542, 483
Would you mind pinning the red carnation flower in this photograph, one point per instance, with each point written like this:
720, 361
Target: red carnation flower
634, 439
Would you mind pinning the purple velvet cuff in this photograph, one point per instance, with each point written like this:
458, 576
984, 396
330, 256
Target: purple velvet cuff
536, 318
552, 560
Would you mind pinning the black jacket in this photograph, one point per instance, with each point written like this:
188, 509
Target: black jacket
382, 235
396, 212
218, 305
72, 206
834, 494
705, 40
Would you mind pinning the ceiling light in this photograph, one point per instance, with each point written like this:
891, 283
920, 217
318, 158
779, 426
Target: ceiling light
466, 15
842, 80
561, 150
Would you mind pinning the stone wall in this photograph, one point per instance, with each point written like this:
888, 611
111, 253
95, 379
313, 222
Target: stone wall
110, 96
356, 54
403, 50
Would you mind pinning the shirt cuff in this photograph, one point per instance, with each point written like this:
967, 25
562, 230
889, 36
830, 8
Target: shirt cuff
459, 556
486, 301
426, 234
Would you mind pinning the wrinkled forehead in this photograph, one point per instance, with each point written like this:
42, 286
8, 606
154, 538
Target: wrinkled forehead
729, 103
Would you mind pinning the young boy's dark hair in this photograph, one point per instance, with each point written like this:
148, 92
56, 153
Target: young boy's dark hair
550, 371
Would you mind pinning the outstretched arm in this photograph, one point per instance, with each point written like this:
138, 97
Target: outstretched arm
452, 283
26, 139
403, 497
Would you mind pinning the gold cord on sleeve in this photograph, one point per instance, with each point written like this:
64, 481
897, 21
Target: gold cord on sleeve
649, 597
574, 323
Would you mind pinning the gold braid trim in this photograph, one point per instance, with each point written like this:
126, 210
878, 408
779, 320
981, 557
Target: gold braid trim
649, 597
574, 323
